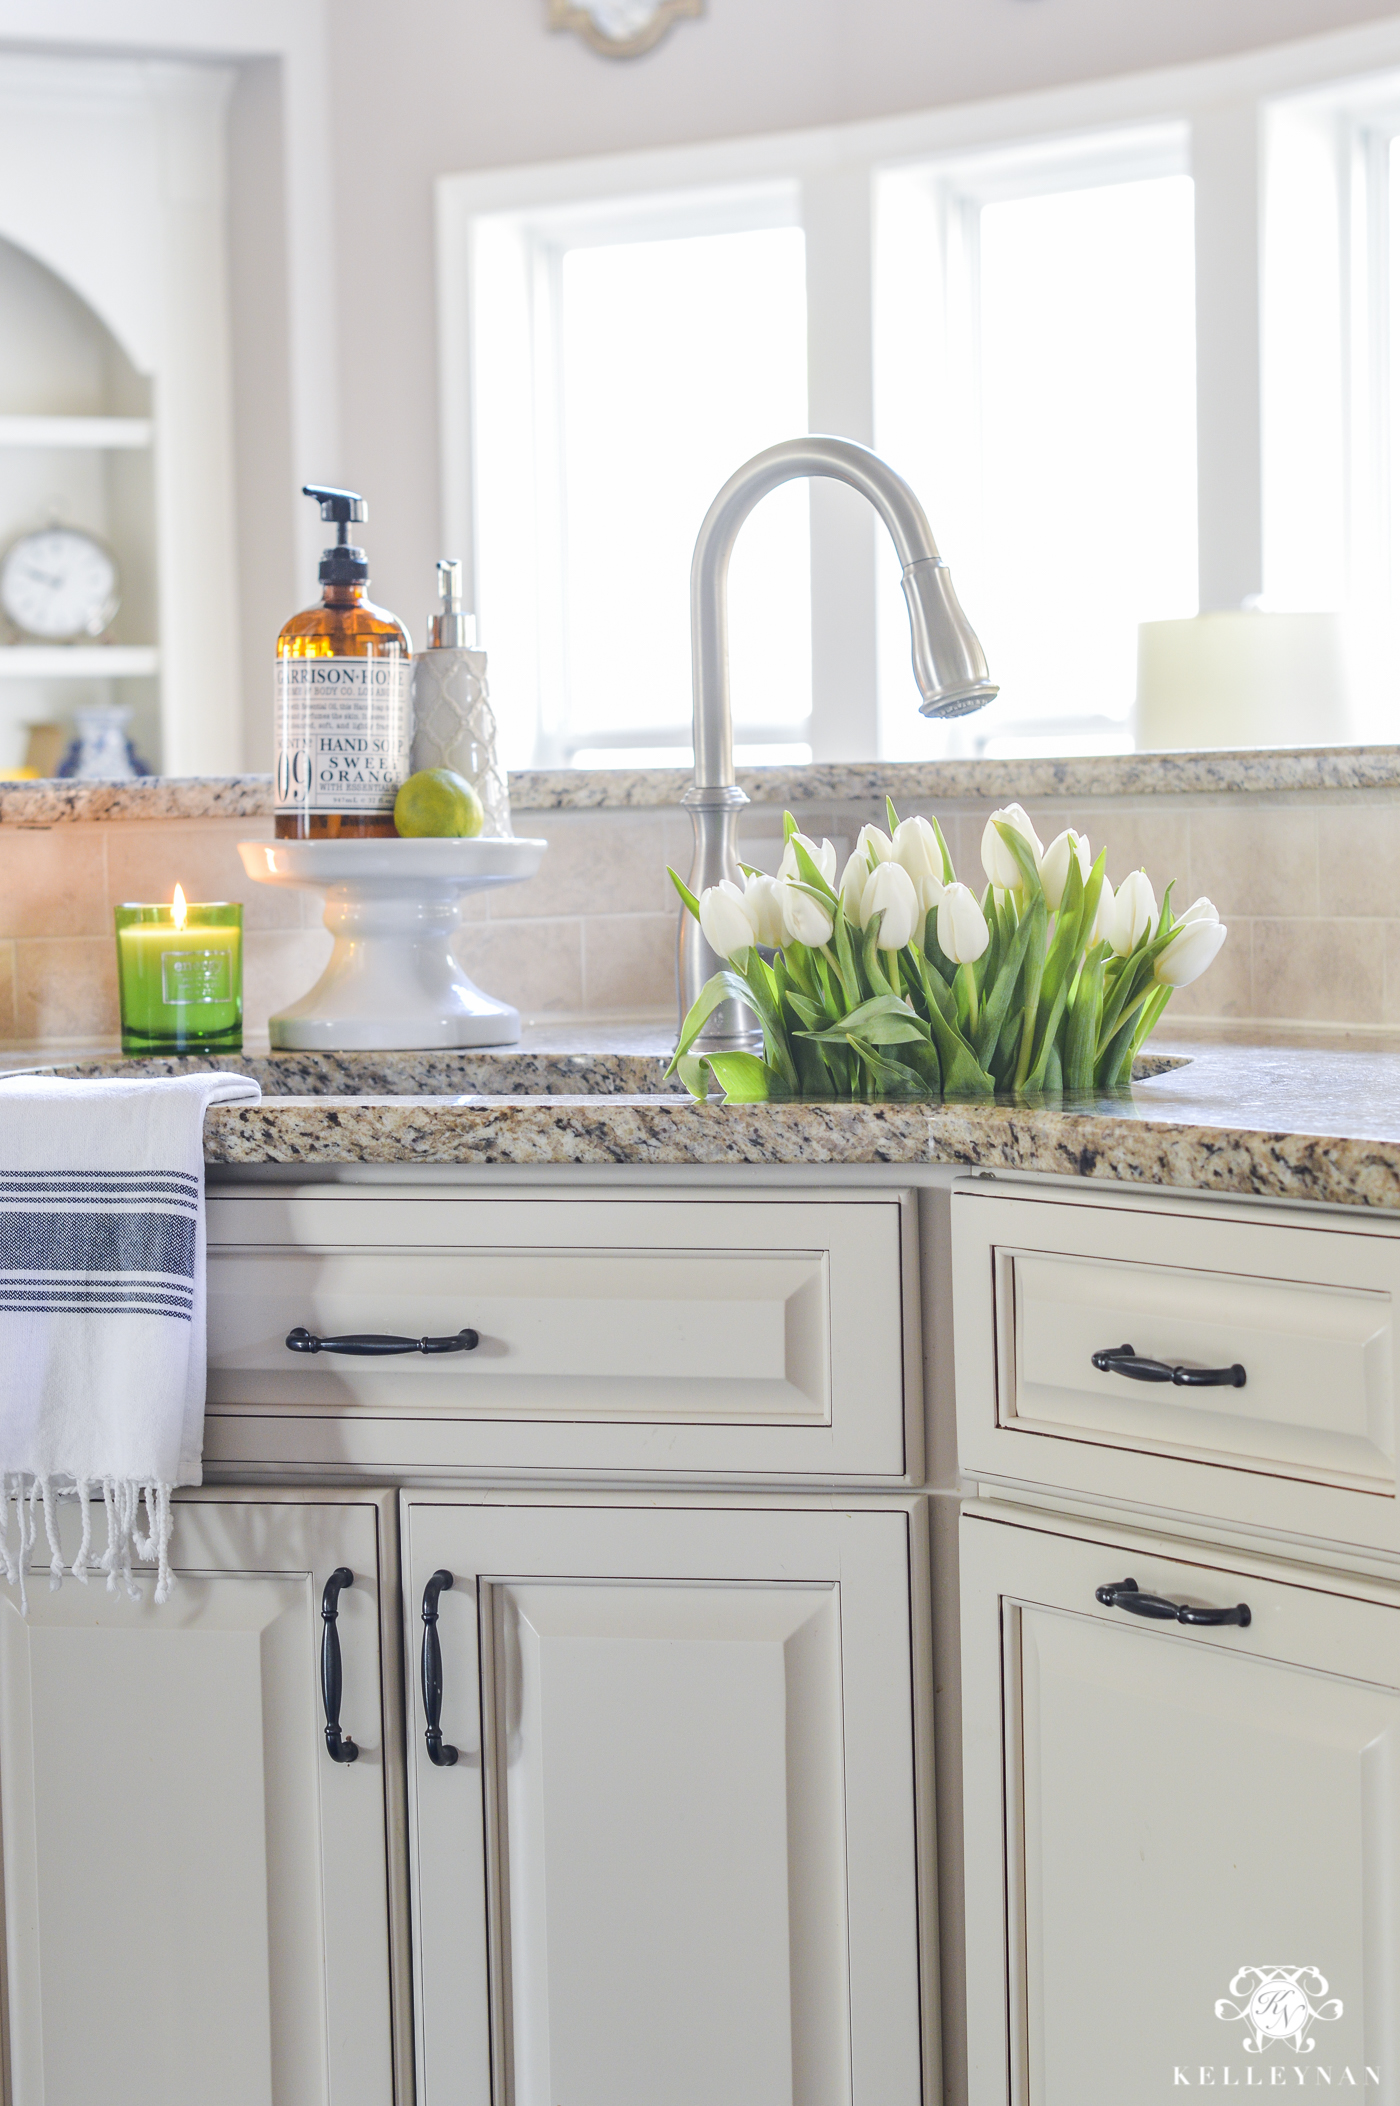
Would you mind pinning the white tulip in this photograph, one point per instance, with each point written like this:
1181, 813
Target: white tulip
824, 858
914, 846
852, 886
931, 890
1202, 909
890, 891
805, 919
1193, 947
1103, 914
1134, 913
963, 934
1054, 865
874, 837
724, 919
764, 906
997, 860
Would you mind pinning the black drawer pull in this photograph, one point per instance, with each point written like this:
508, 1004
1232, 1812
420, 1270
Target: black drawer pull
1122, 1360
371, 1345
1126, 1595
340, 1745
440, 1752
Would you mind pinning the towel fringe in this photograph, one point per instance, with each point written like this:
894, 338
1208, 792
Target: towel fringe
21, 1497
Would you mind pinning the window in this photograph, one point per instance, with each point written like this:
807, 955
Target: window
1062, 424
662, 346
1135, 343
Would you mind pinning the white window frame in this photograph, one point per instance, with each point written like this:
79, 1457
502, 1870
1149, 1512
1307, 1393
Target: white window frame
1232, 110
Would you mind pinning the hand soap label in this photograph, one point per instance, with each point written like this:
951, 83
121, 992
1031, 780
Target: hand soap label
344, 733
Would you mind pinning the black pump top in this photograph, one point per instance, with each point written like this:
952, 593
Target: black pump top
344, 564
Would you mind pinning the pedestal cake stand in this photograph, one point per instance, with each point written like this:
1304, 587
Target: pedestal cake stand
392, 983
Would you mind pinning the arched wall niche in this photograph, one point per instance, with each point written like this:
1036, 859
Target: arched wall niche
60, 359
59, 356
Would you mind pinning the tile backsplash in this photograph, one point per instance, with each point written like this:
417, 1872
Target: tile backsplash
1308, 881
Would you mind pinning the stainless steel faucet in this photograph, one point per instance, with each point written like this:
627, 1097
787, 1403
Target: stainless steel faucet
949, 667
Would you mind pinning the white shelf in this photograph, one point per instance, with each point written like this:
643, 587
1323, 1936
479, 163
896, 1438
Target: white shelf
78, 661
93, 432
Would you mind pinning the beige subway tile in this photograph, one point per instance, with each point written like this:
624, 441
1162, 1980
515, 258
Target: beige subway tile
537, 965
145, 862
1225, 989
52, 881
1390, 1012
1319, 971
66, 988
1260, 860
1359, 859
1157, 841
629, 962
596, 863
279, 967
7, 988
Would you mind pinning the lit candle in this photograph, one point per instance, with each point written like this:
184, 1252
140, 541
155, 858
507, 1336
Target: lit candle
180, 971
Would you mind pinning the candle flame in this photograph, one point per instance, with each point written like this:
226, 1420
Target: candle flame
177, 907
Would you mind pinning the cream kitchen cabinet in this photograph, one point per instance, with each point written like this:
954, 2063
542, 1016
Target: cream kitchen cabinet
1158, 1817
200, 1902
695, 1336
673, 1848
666, 1842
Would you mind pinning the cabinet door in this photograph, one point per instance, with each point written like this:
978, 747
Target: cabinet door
1182, 1844
196, 1897
675, 1860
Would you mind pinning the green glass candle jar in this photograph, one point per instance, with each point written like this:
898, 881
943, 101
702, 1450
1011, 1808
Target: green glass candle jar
180, 971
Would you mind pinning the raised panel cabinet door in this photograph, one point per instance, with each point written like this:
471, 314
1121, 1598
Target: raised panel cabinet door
1182, 1843
197, 1898
675, 1859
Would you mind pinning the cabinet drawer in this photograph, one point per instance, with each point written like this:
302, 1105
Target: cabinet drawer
1306, 1311
666, 1336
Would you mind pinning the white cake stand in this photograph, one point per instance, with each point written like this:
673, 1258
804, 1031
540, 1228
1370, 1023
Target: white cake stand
393, 906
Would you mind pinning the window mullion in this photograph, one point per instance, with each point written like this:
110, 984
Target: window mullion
1225, 156
837, 216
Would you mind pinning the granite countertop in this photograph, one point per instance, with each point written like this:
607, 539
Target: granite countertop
1261, 769
1279, 1122
1316, 1120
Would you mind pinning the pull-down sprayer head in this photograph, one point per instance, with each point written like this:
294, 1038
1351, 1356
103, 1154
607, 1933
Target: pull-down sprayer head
948, 662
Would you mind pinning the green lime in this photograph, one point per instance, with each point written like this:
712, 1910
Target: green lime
437, 801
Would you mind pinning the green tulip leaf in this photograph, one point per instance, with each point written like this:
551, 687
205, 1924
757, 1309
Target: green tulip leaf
745, 1079
685, 892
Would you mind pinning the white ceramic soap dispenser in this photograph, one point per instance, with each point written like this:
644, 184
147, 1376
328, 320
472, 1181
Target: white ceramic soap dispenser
453, 722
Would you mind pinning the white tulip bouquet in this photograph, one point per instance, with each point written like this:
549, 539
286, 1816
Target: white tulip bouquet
895, 980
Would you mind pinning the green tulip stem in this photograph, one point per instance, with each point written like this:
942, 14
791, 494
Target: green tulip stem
969, 981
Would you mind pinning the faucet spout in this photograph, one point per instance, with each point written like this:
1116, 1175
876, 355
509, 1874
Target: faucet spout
949, 668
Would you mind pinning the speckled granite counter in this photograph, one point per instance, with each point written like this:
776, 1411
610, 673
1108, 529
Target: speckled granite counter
1282, 1123
1287, 1121
1268, 769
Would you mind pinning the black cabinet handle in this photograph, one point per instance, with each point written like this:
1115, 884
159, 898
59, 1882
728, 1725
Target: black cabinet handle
369, 1345
439, 1750
1122, 1360
1127, 1595
340, 1745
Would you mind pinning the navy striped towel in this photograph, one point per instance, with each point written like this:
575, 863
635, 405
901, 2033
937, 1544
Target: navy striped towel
102, 1355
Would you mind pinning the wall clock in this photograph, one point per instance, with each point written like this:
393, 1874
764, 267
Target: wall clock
59, 584
621, 28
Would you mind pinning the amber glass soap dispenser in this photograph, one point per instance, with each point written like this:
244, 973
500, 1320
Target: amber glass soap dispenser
344, 729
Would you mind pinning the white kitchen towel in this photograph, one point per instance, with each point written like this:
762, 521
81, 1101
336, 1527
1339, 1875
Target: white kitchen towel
102, 1352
